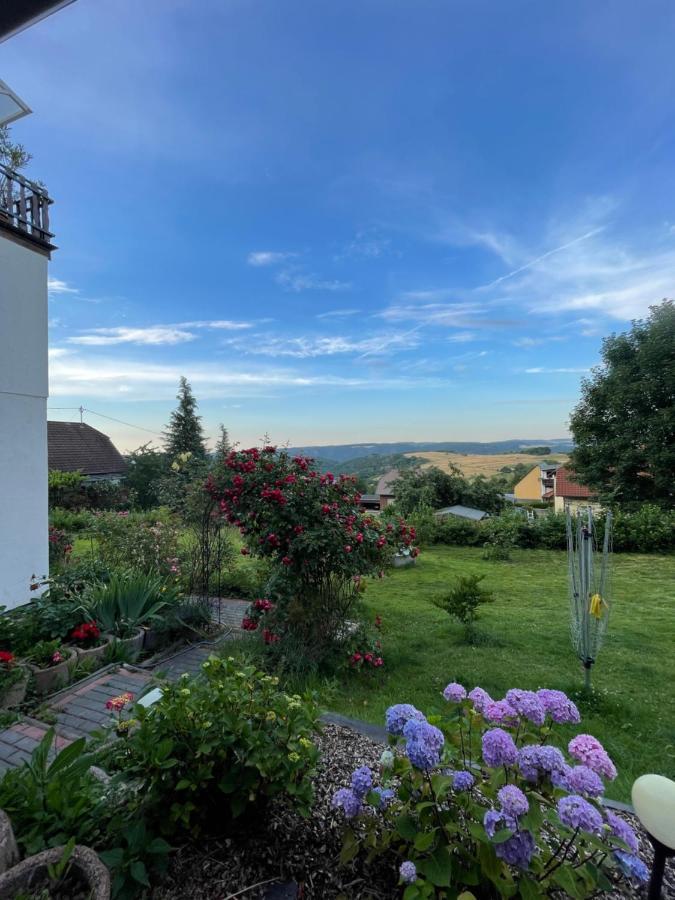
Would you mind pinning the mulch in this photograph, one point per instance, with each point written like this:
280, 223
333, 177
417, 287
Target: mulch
287, 848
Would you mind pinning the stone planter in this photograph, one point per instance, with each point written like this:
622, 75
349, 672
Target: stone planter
16, 694
49, 680
9, 852
31, 875
400, 561
152, 639
134, 644
95, 653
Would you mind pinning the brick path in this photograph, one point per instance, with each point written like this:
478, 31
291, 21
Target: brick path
19, 740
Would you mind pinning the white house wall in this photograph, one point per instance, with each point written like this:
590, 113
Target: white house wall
23, 420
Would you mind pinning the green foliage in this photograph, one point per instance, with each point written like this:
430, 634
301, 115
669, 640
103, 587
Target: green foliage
45, 654
138, 852
144, 541
464, 600
184, 433
369, 469
60, 547
624, 425
13, 155
454, 835
436, 489
70, 490
214, 748
71, 520
536, 451
127, 601
145, 469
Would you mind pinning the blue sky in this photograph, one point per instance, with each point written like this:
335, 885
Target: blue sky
356, 221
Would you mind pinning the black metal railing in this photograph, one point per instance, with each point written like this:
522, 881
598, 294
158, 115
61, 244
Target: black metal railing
24, 205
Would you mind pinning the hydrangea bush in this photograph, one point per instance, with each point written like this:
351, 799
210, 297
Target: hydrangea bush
482, 802
319, 543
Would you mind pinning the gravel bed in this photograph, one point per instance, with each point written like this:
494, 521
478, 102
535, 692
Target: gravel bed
289, 848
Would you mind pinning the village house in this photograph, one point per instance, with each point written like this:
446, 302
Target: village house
76, 447
537, 485
569, 494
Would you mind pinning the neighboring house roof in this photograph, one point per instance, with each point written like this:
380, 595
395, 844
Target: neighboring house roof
370, 498
80, 448
463, 512
385, 482
565, 487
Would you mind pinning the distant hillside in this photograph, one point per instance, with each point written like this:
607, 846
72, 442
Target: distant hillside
483, 463
368, 468
344, 452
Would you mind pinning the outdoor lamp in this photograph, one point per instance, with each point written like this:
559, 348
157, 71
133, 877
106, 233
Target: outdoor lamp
654, 802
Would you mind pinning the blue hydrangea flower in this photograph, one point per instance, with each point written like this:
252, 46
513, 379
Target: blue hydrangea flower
559, 707
584, 781
575, 812
408, 872
480, 699
622, 830
499, 748
462, 781
517, 850
424, 743
397, 716
362, 781
535, 760
347, 800
495, 819
513, 801
527, 704
500, 712
632, 866
454, 692
386, 795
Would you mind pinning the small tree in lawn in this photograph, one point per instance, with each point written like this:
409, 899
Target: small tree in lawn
184, 433
464, 600
321, 546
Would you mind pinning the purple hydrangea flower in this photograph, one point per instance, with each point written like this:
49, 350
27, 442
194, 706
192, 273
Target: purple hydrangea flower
535, 760
480, 699
500, 712
575, 812
517, 850
424, 743
559, 777
632, 866
397, 716
362, 781
589, 751
622, 830
499, 748
559, 707
347, 800
582, 780
386, 795
527, 704
462, 781
513, 801
408, 872
454, 692
495, 819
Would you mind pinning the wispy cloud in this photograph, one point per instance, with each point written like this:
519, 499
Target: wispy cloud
306, 347
462, 337
218, 324
338, 313
57, 286
542, 370
154, 336
262, 258
366, 244
296, 281
529, 342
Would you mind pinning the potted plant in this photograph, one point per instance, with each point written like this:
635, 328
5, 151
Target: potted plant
51, 663
89, 642
13, 681
70, 871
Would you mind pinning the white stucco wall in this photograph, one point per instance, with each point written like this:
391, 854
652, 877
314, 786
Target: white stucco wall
23, 420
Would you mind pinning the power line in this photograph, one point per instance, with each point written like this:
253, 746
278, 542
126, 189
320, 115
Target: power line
83, 409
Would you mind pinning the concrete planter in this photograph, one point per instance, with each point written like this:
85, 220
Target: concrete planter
49, 680
95, 653
16, 694
152, 638
9, 852
134, 644
400, 561
32, 875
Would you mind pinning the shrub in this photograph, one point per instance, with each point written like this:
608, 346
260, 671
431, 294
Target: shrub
311, 530
70, 490
216, 747
71, 520
482, 802
138, 541
465, 599
60, 548
127, 601
647, 529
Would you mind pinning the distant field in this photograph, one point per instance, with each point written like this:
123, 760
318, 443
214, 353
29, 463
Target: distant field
479, 464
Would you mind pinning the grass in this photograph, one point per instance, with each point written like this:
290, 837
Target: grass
632, 709
481, 463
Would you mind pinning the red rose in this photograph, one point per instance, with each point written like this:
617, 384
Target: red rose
244, 551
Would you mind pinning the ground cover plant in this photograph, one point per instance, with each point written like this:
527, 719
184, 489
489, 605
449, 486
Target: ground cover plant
630, 711
483, 799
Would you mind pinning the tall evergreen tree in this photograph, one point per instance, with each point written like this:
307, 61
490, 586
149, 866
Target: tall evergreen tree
184, 433
624, 424
223, 445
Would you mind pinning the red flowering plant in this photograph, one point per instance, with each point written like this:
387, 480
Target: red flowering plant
320, 544
60, 547
364, 649
86, 635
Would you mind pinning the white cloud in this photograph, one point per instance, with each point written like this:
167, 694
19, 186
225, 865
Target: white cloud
219, 324
155, 335
462, 337
338, 313
453, 315
541, 370
367, 245
296, 281
305, 347
528, 342
56, 286
261, 258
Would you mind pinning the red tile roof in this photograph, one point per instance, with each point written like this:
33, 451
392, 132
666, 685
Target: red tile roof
73, 447
565, 487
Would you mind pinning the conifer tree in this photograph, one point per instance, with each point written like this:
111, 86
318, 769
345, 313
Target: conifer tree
223, 445
184, 433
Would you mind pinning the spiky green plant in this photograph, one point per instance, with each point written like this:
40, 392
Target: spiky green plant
127, 601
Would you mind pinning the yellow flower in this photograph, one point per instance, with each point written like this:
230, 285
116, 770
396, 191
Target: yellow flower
271, 716
185, 692
304, 742
294, 757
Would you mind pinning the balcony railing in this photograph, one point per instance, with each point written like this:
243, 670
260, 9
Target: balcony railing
24, 206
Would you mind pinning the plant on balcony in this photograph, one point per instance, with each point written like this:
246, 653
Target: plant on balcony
309, 526
483, 802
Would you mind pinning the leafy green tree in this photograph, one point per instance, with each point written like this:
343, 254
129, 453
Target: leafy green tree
428, 487
145, 468
13, 155
624, 424
184, 433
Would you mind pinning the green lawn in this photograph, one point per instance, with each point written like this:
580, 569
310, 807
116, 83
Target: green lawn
633, 710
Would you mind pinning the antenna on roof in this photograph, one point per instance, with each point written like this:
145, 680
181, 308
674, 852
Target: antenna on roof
81, 408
